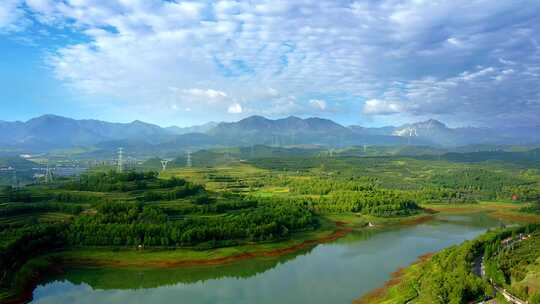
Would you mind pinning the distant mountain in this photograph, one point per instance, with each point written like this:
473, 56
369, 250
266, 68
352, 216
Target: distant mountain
426, 128
286, 131
193, 129
291, 124
431, 130
100, 138
434, 132
52, 132
372, 131
16, 162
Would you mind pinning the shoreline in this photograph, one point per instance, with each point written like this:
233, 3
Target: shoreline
340, 228
396, 277
501, 211
498, 210
58, 263
338, 233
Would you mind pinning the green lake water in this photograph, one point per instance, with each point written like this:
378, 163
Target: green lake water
329, 273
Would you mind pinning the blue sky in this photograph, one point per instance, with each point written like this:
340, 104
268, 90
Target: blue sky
370, 62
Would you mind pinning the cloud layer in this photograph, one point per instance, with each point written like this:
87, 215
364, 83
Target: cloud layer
471, 61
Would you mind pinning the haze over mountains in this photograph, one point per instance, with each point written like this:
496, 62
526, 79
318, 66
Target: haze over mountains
51, 132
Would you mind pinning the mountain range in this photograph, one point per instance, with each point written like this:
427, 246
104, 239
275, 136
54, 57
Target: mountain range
51, 132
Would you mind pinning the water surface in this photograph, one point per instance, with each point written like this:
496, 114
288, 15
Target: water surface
329, 273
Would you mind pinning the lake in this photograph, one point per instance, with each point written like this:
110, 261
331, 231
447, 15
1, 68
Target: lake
337, 272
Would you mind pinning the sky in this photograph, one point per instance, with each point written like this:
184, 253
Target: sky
366, 62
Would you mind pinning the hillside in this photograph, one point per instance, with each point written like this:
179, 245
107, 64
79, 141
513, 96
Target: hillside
50, 132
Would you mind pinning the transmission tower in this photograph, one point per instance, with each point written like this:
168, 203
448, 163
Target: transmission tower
48, 174
15, 180
164, 163
188, 159
228, 157
412, 132
120, 161
331, 152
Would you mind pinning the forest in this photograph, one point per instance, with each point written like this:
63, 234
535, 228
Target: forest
449, 277
265, 200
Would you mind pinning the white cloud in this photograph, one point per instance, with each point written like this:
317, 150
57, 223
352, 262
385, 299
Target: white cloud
11, 16
381, 107
41, 7
400, 55
484, 95
454, 41
318, 104
208, 93
234, 108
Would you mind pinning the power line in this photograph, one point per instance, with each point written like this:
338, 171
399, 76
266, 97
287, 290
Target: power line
120, 161
15, 180
48, 174
188, 160
164, 163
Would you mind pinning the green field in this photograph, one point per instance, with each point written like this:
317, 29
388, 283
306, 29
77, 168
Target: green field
261, 207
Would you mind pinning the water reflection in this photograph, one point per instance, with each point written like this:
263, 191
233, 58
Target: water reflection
138, 278
330, 273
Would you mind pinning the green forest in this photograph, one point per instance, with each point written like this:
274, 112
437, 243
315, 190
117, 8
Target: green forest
264, 200
449, 276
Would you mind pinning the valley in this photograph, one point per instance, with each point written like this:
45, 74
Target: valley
269, 151
226, 211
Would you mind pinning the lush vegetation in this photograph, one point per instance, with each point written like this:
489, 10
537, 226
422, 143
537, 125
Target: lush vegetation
133, 209
265, 199
513, 262
454, 274
131, 224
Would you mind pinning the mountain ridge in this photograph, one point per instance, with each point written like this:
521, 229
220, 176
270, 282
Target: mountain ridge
48, 132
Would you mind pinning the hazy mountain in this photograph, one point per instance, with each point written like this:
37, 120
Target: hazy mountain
434, 132
431, 130
193, 129
16, 162
521, 135
426, 128
286, 131
50, 132
289, 125
372, 131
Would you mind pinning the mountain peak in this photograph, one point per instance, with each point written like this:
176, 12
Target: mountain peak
434, 123
253, 118
48, 117
427, 125
293, 118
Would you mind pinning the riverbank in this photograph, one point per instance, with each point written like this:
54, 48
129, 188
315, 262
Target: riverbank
168, 258
448, 273
498, 210
186, 258
331, 229
352, 265
396, 278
